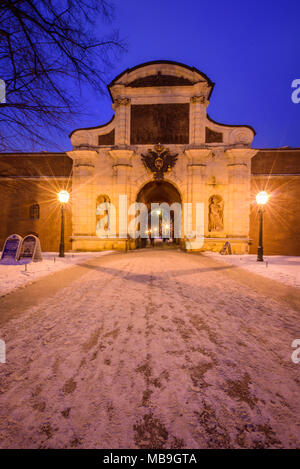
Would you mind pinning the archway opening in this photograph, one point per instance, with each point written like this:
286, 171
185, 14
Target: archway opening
163, 224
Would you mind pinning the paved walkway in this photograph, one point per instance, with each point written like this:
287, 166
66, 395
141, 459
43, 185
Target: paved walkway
150, 349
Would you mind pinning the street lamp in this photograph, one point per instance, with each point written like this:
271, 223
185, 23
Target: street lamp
63, 197
261, 199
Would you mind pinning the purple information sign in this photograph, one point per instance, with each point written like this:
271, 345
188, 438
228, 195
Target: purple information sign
11, 250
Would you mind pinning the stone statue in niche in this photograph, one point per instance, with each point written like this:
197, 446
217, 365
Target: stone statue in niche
215, 213
102, 213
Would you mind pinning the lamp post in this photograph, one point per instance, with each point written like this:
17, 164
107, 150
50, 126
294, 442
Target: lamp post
261, 199
63, 197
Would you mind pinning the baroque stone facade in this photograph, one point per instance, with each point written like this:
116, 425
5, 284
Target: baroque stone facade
166, 103
160, 108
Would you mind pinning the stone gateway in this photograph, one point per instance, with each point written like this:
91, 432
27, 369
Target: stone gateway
161, 146
162, 132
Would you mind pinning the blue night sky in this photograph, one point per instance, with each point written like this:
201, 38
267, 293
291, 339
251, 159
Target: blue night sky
249, 49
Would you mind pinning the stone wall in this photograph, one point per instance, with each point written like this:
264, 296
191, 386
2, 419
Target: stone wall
277, 172
34, 179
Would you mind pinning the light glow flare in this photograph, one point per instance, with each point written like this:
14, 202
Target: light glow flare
63, 197
262, 198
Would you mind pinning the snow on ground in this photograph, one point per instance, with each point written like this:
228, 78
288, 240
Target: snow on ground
284, 269
151, 349
15, 276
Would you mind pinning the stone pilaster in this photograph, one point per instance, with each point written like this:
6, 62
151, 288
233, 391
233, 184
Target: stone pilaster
122, 165
198, 105
121, 107
196, 175
83, 192
239, 174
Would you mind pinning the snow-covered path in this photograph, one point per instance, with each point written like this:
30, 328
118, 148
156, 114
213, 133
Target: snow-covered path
152, 349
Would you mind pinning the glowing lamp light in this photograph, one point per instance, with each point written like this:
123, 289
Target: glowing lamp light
262, 198
63, 197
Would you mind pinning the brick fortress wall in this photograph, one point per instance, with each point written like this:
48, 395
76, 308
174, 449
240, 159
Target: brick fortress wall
277, 171
27, 180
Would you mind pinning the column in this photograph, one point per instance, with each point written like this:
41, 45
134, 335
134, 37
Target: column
239, 174
121, 107
196, 171
83, 192
122, 165
198, 105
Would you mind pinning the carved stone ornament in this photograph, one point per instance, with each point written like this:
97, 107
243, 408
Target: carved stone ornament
121, 102
199, 99
159, 161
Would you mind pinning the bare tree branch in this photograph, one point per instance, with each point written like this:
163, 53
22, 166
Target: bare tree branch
47, 48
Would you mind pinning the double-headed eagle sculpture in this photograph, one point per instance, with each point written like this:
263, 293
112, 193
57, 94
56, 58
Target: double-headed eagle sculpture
159, 161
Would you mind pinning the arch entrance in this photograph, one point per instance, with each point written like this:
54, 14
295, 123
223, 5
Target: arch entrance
163, 223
